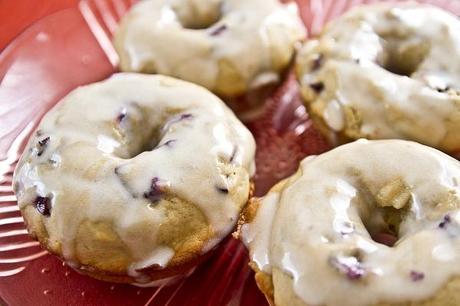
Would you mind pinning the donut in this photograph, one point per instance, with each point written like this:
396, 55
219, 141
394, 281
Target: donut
372, 222
386, 71
135, 178
228, 46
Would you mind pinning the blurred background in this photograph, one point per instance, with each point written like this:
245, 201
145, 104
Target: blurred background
16, 15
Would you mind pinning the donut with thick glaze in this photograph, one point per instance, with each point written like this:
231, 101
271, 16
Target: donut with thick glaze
368, 223
387, 70
228, 46
135, 178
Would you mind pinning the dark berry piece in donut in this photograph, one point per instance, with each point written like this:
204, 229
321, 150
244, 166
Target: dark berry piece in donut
185, 116
168, 143
179, 119
347, 228
443, 89
41, 145
54, 160
317, 87
122, 115
234, 153
43, 205
416, 276
317, 62
44, 141
446, 221
156, 191
218, 30
349, 266
176, 119
223, 190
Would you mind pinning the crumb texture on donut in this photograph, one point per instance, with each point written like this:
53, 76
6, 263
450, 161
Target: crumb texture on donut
136, 177
386, 71
227, 46
368, 223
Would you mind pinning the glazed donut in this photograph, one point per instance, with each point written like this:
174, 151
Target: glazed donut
386, 71
134, 178
227, 46
368, 223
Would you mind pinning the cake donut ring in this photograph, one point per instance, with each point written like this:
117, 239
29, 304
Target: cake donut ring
227, 46
368, 223
386, 71
133, 179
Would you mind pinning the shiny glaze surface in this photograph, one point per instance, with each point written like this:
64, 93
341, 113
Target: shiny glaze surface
323, 232
227, 46
113, 151
387, 71
66, 50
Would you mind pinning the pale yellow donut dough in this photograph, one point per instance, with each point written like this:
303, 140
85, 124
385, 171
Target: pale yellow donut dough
312, 238
227, 46
136, 172
386, 71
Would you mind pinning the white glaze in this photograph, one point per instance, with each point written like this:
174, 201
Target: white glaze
108, 164
353, 50
258, 40
258, 237
317, 217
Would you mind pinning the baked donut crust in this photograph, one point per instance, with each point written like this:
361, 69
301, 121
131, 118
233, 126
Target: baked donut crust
306, 237
136, 178
385, 71
227, 46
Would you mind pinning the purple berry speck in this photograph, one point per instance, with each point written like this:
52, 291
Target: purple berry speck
122, 115
317, 62
349, 266
222, 190
446, 221
416, 276
168, 143
317, 87
43, 205
185, 116
156, 191
218, 30
41, 145
234, 154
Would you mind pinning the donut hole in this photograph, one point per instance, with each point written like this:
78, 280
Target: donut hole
138, 133
396, 63
404, 59
383, 211
197, 14
135, 146
383, 224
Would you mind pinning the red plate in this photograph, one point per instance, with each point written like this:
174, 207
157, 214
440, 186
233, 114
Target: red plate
72, 47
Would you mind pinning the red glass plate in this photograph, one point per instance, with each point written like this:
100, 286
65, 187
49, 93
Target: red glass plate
72, 47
